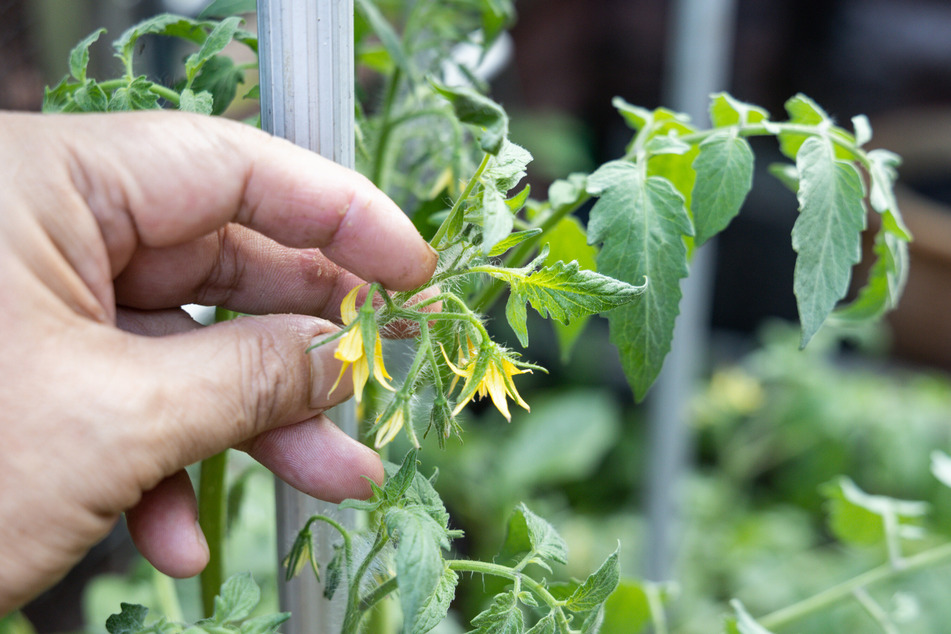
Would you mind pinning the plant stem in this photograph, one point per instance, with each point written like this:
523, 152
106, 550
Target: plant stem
166, 597
457, 206
874, 610
212, 517
790, 614
386, 127
351, 621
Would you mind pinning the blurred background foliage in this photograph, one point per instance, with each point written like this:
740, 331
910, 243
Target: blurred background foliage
770, 424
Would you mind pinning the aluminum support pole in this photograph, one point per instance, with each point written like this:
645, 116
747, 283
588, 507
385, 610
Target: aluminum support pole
307, 84
700, 53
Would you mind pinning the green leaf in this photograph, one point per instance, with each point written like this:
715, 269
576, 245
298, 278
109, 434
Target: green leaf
628, 609
503, 616
59, 98
136, 95
827, 234
388, 37
165, 24
862, 128
882, 176
743, 623
856, 517
641, 223
397, 484
217, 40
724, 170
476, 109
597, 587
225, 8
434, 610
79, 56
419, 562
567, 241
545, 625
567, 192
90, 97
202, 102
513, 240
727, 111
16, 623
561, 291
264, 624
238, 597
533, 538
786, 174
667, 144
507, 168
129, 620
803, 111
220, 77
886, 281
497, 218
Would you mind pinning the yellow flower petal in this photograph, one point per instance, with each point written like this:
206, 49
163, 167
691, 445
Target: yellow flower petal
387, 432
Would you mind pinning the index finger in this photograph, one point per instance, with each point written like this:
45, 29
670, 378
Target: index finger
173, 177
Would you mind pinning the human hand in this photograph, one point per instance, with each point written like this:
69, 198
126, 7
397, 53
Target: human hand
109, 224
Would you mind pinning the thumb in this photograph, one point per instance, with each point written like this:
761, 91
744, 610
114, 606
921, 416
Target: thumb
219, 386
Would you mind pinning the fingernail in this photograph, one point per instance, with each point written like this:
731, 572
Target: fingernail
325, 373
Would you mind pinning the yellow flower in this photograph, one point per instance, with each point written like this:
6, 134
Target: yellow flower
388, 430
490, 375
352, 350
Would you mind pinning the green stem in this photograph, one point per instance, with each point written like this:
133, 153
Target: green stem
165, 93
874, 610
386, 128
496, 570
817, 602
457, 206
166, 598
351, 621
212, 517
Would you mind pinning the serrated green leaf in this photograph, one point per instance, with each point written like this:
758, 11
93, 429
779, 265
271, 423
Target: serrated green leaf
497, 218
90, 97
264, 624
397, 483
503, 616
476, 109
225, 8
434, 610
518, 201
641, 223
544, 625
803, 111
59, 98
561, 291
239, 595
568, 192
419, 561
827, 234
743, 623
202, 102
567, 241
507, 168
724, 168
727, 111
220, 77
592, 622
857, 517
136, 95
597, 587
79, 56
529, 536
129, 620
217, 40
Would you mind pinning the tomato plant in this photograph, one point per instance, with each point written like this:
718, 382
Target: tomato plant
442, 151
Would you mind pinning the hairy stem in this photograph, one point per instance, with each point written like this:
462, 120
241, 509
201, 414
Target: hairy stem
817, 602
457, 206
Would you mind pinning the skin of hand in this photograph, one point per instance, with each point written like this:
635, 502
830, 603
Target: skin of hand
108, 224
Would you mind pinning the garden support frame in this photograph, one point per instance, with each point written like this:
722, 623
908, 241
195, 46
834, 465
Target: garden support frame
307, 97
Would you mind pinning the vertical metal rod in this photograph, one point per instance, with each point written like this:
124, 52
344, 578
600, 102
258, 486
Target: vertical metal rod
307, 85
700, 52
